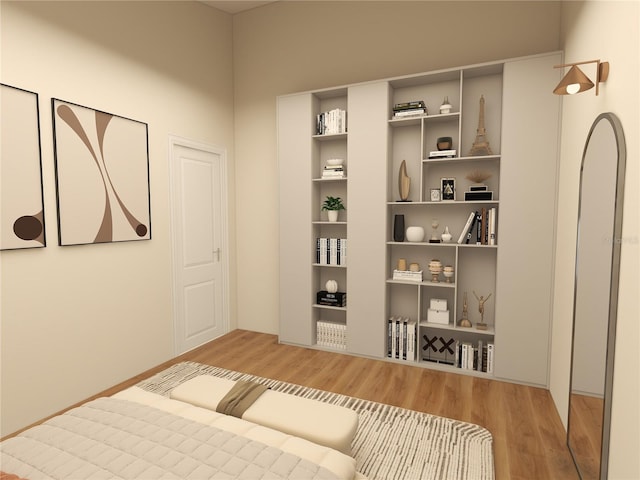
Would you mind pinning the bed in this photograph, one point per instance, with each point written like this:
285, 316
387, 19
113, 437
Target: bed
137, 434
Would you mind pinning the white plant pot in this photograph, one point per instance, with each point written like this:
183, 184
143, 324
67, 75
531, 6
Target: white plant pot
415, 234
333, 215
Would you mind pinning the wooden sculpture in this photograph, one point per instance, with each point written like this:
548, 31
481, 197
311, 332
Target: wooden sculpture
404, 182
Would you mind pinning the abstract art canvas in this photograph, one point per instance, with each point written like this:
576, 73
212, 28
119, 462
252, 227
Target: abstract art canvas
102, 176
21, 199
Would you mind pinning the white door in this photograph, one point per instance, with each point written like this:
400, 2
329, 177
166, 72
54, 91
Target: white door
198, 179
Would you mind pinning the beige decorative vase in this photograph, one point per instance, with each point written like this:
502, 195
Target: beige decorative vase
447, 271
435, 267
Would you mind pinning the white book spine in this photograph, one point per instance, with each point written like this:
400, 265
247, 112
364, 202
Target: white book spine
464, 356
323, 251
393, 337
470, 353
463, 234
490, 354
411, 354
343, 251
333, 251
492, 225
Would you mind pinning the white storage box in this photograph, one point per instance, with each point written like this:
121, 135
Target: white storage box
438, 304
438, 316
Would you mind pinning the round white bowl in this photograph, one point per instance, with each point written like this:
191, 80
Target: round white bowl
414, 234
335, 161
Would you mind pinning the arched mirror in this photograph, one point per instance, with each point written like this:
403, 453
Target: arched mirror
596, 296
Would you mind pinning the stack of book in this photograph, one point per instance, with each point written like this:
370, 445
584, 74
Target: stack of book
407, 275
442, 154
480, 228
335, 299
478, 192
331, 335
333, 171
332, 122
408, 109
331, 251
401, 338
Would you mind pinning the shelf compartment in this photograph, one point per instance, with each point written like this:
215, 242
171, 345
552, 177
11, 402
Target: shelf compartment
489, 86
439, 346
447, 125
433, 171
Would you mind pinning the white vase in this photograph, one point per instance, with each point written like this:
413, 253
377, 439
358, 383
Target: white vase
333, 215
415, 234
446, 235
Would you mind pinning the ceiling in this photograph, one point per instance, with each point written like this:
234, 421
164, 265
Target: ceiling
234, 6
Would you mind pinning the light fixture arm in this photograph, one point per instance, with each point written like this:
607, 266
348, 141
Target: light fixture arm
602, 70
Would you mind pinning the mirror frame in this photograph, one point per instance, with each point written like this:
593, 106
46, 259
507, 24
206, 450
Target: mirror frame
613, 291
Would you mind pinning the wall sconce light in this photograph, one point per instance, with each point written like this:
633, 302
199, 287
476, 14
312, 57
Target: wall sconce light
575, 81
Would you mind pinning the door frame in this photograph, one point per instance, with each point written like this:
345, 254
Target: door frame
177, 141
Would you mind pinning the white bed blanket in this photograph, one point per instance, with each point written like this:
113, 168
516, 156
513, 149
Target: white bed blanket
140, 435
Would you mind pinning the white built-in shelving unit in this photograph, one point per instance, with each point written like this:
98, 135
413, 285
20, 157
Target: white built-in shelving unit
521, 117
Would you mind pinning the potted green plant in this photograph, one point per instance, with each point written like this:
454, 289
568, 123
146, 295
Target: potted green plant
332, 205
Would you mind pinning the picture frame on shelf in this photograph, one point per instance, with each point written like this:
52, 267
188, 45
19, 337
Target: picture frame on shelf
435, 194
448, 188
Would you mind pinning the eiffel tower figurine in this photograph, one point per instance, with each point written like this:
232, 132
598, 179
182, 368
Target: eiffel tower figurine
481, 145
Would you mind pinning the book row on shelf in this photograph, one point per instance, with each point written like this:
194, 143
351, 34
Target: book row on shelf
478, 357
401, 338
331, 251
331, 335
480, 227
332, 122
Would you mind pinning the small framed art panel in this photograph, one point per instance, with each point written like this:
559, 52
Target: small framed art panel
102, 176
21, 198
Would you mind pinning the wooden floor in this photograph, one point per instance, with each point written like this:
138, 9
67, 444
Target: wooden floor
529, 439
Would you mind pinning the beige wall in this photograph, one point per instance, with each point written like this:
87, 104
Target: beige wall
609, 31
76, 320
295, 46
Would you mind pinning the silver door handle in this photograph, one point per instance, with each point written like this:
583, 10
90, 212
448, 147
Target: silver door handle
216, 252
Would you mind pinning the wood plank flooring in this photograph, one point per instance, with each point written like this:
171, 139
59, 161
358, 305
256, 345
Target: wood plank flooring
529, 439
